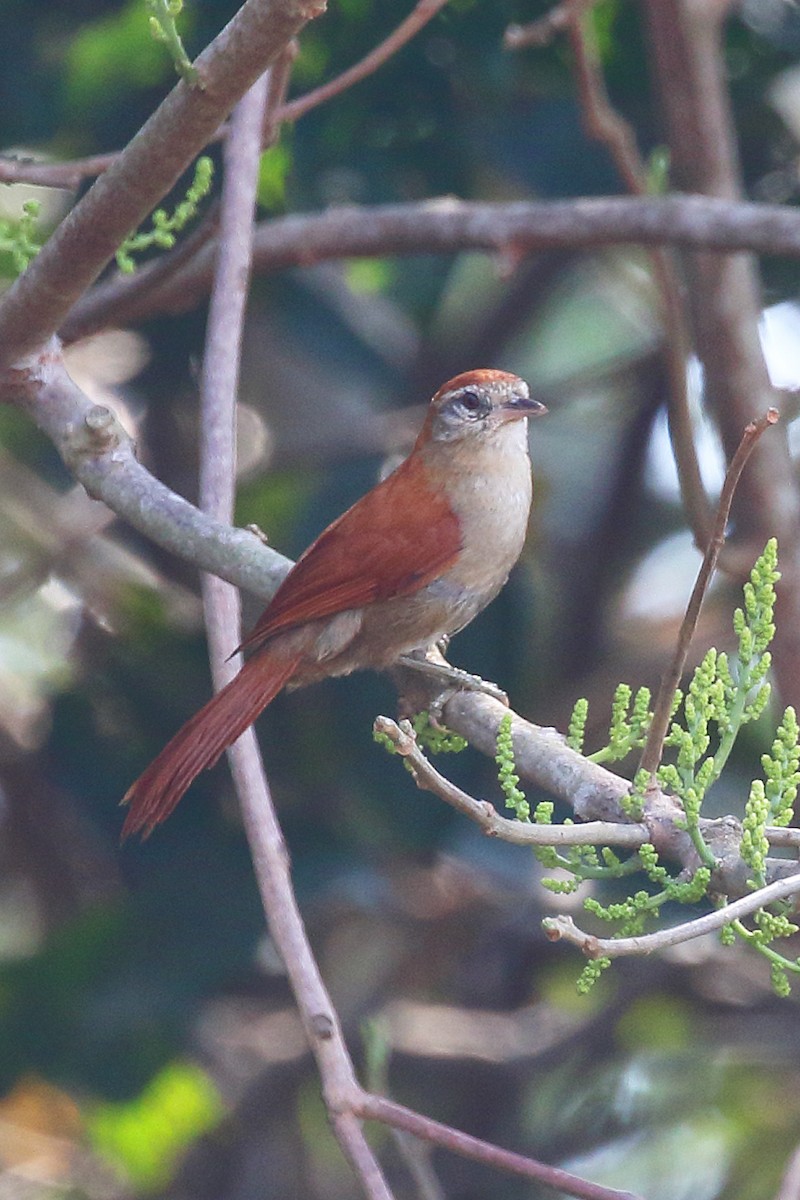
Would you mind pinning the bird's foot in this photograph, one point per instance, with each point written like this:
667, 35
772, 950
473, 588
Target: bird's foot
457, 679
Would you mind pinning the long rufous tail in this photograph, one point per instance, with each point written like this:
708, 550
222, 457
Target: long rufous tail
201, 741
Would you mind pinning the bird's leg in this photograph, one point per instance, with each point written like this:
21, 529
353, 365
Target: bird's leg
431, 662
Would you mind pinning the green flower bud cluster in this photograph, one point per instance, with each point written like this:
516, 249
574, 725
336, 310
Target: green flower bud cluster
165, 227
19, 238
163, 27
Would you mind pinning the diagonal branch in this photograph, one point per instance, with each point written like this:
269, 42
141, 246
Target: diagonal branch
101, 456
396, 1115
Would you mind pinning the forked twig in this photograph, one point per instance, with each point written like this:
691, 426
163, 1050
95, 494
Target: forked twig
422, 13
484, 814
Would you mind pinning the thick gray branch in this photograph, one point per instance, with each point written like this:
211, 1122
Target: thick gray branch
101, 456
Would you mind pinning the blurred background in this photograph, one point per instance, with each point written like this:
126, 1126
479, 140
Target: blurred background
148, 1042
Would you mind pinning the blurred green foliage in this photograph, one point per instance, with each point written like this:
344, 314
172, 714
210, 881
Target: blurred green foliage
145, 1136
112, 54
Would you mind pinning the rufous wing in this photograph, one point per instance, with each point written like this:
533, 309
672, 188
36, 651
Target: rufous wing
392, 542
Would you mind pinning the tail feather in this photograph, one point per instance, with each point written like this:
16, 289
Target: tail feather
201, 741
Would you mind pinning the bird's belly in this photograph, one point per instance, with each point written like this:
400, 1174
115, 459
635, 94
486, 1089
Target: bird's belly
394, 627
391, 628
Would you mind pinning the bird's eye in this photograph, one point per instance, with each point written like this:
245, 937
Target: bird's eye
473, 404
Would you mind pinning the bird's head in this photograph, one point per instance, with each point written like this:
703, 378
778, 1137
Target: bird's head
476, 403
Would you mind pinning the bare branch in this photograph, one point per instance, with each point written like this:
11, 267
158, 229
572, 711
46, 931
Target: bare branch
100, 455
390, 1113
18, 169
539, 32
594, 947
219, 387
122, 197
449, 226
654, 746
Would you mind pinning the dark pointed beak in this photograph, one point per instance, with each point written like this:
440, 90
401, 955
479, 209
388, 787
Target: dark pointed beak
523, 406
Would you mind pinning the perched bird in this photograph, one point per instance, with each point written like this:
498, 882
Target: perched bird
411, 563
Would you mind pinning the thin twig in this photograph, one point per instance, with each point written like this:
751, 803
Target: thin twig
396, 1115
540, 32
564, 927
422, 13
18, 169
280, 75
484, 814
689, 61
654, 746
